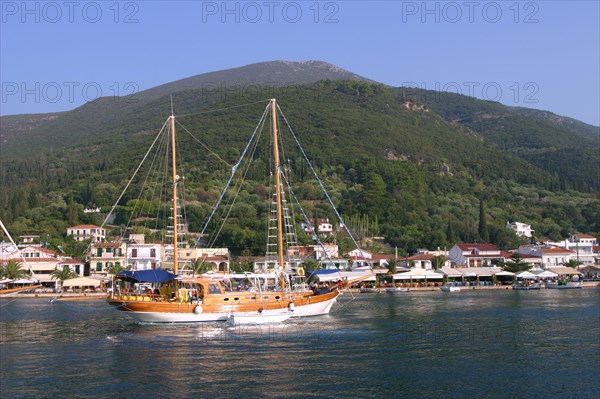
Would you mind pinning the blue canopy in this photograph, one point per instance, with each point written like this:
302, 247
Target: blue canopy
147, 276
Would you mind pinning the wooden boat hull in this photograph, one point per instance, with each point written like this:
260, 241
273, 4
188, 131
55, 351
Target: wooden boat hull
15, 290
142, 309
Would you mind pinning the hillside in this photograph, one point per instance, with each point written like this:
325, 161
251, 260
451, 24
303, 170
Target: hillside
244, 84
562, 146
399, 161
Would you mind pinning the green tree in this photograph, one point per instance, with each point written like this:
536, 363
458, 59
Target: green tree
63, 274
484, 235
13, 270
198, 266
516, 264
438, 262
392, 266
574, 263
116, 268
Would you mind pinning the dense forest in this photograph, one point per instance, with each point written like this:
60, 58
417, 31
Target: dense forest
421, 173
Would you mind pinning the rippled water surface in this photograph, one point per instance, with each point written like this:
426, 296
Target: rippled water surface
477, 344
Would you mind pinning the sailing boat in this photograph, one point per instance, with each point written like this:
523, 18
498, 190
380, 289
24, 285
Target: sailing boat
210, 298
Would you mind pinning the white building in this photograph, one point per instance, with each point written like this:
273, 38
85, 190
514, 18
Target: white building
550, 256
582, 246
143, 256
521, 229
475, 255
87, 231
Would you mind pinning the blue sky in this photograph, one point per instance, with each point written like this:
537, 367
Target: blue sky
540, 54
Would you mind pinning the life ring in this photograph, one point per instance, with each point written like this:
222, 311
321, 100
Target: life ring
198, 309
300, 272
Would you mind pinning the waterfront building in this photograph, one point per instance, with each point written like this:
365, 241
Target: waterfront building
475, 255
104, 255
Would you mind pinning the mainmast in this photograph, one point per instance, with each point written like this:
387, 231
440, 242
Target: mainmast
278, 188
175, 179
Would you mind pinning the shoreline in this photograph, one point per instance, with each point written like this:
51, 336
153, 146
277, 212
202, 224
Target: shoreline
102, 295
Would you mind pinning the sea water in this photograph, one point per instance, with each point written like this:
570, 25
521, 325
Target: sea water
471, 344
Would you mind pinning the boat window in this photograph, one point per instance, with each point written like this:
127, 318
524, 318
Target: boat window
277, 297
214, 289
225, 299
236, 299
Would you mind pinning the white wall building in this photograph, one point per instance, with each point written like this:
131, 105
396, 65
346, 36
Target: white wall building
521, 229
582, 246
87, 231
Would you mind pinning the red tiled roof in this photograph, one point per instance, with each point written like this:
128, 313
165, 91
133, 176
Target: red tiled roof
584, 236
556, 251
596, 248
479, 247
383, 256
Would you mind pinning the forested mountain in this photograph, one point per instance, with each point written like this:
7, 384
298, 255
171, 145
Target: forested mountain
413, 170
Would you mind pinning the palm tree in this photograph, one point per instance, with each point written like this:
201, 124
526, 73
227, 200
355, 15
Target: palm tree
115, 269
199, 266
63, 274
392, 266
13, 270
438, 262
572, 263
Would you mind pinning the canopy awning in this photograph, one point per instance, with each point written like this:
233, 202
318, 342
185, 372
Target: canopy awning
6, 280
82, 282
504, 273
561, 270
147, 276
547, 274
25, 281
416, 274
450, 272
526, 275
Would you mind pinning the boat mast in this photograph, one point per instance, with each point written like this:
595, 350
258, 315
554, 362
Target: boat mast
175, 179
278, 188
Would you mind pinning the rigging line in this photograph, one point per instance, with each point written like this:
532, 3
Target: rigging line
134, 174
233, 200
18, 250
319, 181
139, 206
203, 145
233, 171
224, 109
308, 222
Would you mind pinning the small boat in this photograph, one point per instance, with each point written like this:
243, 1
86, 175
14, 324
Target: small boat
396, 289
527, 286
450, 287
563, 285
